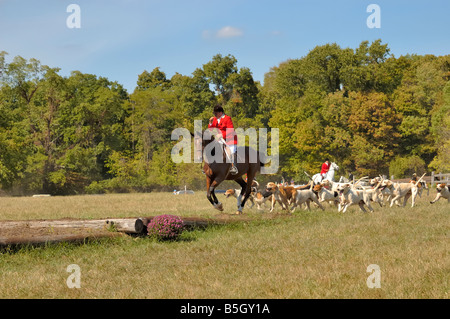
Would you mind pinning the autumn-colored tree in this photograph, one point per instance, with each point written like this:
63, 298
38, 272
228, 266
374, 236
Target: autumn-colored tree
367, 110
441, 133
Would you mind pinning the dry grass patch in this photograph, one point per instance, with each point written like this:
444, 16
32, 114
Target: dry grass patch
309, 255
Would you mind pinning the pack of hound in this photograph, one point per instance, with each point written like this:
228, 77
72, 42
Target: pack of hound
363, 193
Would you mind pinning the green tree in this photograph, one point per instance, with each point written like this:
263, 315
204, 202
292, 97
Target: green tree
323, 66
402, 167
245, 103
288, 79
34, 91
194, 95
156, 112
235, 90
441, 133
416, 99
218, 71
371, 68
154, 79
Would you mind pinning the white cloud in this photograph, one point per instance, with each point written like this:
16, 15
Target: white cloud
225, 32
229, 32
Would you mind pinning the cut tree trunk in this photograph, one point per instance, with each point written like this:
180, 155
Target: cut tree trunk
130, 226
127, 225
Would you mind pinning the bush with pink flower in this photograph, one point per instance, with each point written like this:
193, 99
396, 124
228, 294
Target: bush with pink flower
165, 227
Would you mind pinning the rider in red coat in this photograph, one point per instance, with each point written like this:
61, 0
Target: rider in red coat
325, 167
229, 138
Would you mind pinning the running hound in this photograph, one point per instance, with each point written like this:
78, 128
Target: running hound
236, 192
261, 198
403, 190
306, 196
442, 191
281, 194
326, 195
351, 196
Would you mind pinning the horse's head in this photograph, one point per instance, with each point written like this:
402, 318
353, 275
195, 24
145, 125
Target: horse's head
334, 166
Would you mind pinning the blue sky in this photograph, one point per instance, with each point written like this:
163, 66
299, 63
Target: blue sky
119, 39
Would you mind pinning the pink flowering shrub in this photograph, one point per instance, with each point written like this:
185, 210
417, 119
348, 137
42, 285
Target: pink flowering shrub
165, 227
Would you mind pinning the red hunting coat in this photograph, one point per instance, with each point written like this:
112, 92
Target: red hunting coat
226, 128
325, 168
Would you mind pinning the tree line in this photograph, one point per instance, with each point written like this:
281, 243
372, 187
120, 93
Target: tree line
364, 108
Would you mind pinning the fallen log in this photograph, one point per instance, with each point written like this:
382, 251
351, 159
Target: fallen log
89, 224
129, 226
42, 232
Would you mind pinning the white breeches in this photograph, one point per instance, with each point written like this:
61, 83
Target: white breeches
229, 149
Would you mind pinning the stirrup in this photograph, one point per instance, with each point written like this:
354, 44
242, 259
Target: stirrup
233, 170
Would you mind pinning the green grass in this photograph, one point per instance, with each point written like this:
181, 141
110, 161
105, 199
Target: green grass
308, 255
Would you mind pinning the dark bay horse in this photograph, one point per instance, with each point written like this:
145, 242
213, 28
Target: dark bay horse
217, 168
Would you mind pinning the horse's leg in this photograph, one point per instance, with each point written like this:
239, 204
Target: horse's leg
208, 191
240, 203
217, 205
248, 189
213, 194
210, 194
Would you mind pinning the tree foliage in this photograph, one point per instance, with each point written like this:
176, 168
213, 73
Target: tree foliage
369, 111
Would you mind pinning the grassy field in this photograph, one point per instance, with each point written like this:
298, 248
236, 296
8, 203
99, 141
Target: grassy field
307, 255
